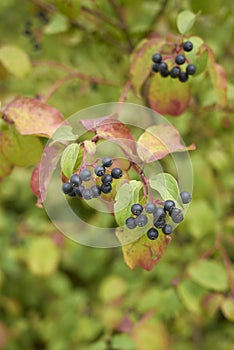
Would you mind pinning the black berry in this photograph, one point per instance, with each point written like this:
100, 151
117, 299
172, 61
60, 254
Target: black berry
106, 188
155, 67
183, 77
157, 58
176, 215
75, 180
67, 188
85, 175
187, 46
186, 197
107, 162
116, 173
180, 59
163, 67
152, 233
130, 223
136, 209
159, 214
79, 190
87, 193
150, 208
168, 205
167, 229
96, 191
164, 73
160, 223
141, 220
191, 69
100, 170
107, 179
72, 194
175, 72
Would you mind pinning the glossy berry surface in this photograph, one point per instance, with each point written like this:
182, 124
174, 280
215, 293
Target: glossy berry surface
130, 223
163, 67
100, 170
157, 58
106, 188
169, 204
167, 229
159, 213
67, 188
79, 190
191, 69
177, 215
155, 67
136, 209
152, 233
116, 173
141, 220
75, 180
150, 208
183, 77
87, 193
186, 197
187, 46
96, 191
164, 73
107, 179
175, 72
180, 59
160, 223
85, 175
107, 162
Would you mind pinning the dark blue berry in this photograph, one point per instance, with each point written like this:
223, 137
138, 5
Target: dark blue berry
130, 223
155, 67
87, 193
176, 215
163, 67
106, 188
183, 77
191, 69
136, 209
187, 46
67, 188
167, 229
116, 173
168, 205
72, 194
85, 175
107, 179
175, 72
159, 214
160, 223
141, 220
152, 233
79, 190
107, 162
164, 73
186, 197
75, 180
180, 59
157, 58
96, 190
100, 170
150, 208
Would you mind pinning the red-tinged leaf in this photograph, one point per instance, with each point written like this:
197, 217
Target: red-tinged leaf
5, 335
141, 63
219, 80
33, 117
142, 252
92, 124
5, 166
158, 141
42, 173
168, 96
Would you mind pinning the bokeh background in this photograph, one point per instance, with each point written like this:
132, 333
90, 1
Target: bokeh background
58, 295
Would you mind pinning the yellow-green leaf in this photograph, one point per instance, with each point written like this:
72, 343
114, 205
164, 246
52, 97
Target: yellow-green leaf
15, 60
68, 159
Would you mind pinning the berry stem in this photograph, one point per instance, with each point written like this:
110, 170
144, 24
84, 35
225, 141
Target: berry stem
144, 180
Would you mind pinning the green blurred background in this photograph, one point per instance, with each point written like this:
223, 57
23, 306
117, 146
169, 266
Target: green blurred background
58, 295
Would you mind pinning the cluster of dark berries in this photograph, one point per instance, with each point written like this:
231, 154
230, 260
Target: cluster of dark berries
159, 216
175, 72
75, 187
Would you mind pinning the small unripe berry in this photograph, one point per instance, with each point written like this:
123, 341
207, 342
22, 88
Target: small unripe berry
152, 233
136, 209
116, 173
157, 58
100, 170
85, 175
141, 220
187, 46
107, 162
180, 59
130, 223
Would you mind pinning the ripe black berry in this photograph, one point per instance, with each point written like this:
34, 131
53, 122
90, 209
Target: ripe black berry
141, 220
116, 173
175, 72
72, 194
152, 233
183, 77
107, 179
186, 197
130, 223
107, 162
167, 229
67, 188
150, 208
87, 193
136, 209
176, 215
180, 59
106, 188
191, 69
163, 67
159, 214
160, 223
79, 190
155, 67
187, 46
96, 191
168, 205
85, 175
75, 180
157, 58
164, 73
100, 170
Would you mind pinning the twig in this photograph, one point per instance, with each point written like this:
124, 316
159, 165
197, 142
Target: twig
99, 15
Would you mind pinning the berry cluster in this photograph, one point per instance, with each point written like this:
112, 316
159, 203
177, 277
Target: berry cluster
75, 187
159, 216
175, 72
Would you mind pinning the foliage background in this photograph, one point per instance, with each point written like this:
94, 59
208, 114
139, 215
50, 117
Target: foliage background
58, 295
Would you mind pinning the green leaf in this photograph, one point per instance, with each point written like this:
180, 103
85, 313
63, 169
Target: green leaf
42, 256
122, 342
167, 186
209, 274
112, 288
21, 150
58, 24
227, 308
158, 141
15, 60
5, 166
99, 345
127, 195
191, 295
63, 133
68, 159
185, 21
